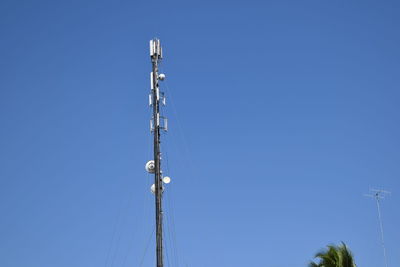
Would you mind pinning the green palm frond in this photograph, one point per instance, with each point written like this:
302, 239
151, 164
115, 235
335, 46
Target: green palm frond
334, 256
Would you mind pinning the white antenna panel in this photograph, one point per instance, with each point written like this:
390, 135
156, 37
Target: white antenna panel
151, 48
158, 47
165, 124
151, 80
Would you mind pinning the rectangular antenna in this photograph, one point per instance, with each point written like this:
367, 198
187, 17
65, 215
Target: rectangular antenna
163, 99
151, 48
155, 49
151, 81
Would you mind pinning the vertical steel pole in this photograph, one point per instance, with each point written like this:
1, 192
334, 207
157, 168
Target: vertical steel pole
155, 58
381, 227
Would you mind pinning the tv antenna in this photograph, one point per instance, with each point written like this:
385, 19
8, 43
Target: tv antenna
378, 195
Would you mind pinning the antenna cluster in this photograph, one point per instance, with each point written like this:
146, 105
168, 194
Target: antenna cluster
158, 123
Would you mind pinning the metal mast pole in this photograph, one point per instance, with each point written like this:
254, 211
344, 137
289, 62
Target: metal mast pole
378, 195
156, 56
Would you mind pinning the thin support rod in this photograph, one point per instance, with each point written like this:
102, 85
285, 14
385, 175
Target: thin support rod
381, 227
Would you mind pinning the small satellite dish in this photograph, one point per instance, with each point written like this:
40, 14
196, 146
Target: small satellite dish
150, 166
166, 180
161, 77
153, 189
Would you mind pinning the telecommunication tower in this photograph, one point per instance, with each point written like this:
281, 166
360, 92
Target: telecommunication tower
158, 123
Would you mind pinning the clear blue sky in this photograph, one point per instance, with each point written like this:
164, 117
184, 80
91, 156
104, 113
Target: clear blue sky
283, 114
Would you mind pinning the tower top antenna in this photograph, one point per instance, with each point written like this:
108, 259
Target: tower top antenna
378, 193
155, 49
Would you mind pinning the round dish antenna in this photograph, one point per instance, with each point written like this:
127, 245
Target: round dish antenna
166, 180
150, 166
153, 189
161, 77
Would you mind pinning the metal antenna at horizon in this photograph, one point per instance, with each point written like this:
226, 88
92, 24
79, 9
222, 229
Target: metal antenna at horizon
378, 194
157, 124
